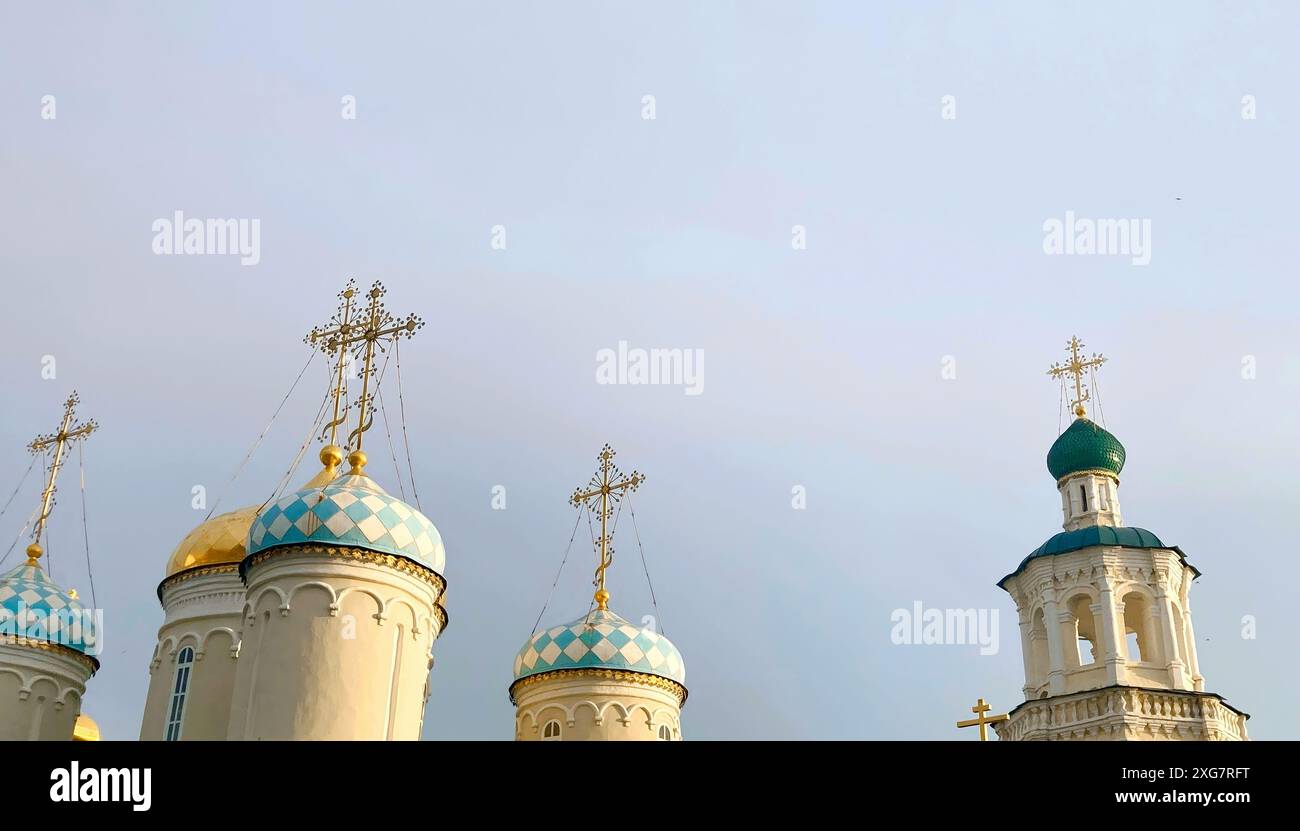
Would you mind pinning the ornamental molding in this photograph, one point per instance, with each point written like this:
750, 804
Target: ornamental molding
617, 675
1125, 713
357, 555
1092, 471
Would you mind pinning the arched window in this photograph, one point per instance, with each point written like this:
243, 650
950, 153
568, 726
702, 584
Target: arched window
1139, 637
665, 735
1085, 628
176, 712
1083, 493
551, 732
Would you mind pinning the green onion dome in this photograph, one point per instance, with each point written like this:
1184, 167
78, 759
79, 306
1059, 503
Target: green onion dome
1085, 446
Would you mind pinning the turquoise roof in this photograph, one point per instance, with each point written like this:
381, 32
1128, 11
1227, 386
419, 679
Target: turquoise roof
600, 640
1067, 541
352, 511
32, 606
1085, 446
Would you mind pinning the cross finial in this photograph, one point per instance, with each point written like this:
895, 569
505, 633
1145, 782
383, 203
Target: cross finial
981, 720
332, 339
59, 440
370, 329
1076, 367
604, 490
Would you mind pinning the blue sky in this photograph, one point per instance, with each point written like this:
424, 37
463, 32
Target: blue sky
924, 240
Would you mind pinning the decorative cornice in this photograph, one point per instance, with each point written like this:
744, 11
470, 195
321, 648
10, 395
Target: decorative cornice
197, 571
399, 564
622, 675
91, 664
1089, 472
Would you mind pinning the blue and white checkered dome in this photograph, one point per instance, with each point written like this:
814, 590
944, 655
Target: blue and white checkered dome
352, 511
600, 640
33, 607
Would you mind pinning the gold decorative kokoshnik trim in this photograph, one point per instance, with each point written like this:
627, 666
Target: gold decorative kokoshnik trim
197, 571
643, 678
393, 561
57, 648
1092, 471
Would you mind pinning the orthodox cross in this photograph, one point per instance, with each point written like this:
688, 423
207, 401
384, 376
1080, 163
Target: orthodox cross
59, 440
982, 721
373, 327
605, 489
1076, 367
332, 339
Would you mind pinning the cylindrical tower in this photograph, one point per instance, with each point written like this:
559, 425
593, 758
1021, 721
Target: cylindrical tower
192, 673
344, 601
48, 641
598, 678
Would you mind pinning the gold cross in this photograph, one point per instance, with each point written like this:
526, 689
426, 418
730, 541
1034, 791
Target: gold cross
607, 486
1076, 367
981, 720
59, 440
368, 331
332, 340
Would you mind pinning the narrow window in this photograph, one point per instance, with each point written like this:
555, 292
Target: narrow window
551, 732
1083, 493
665, 735
176, 713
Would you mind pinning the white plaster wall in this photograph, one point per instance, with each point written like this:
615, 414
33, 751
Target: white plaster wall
333, 648
40, 693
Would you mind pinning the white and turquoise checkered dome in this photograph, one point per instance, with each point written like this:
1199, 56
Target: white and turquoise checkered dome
350, 511
32, 606
600, 640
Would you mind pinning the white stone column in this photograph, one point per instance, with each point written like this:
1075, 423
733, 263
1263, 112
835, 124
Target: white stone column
1162, 614
1027, 651
1055, 654
1111, 629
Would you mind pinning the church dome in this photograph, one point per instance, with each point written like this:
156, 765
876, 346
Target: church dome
85, 729
600, 640
218, 541
351, 511
29, 601
1085, 446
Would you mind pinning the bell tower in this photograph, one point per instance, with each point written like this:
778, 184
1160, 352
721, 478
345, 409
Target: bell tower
1104, 609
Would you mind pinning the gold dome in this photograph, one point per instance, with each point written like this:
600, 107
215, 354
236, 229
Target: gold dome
85, 730
219, 541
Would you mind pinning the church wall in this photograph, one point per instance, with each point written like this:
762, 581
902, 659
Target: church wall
40, 693
589, 709
333, 648
202, 613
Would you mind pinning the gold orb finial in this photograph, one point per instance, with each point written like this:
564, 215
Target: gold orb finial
331, 456
358, 461
602, 599
33, 554
72, 594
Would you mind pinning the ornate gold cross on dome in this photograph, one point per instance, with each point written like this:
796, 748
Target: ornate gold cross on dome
606, 487
332, 340
981, 720
368, 330
1076, 367
59, 440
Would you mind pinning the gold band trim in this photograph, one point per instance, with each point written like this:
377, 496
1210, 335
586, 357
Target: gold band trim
90, 663
645, 679
1089, 472
401, 564
197, 571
